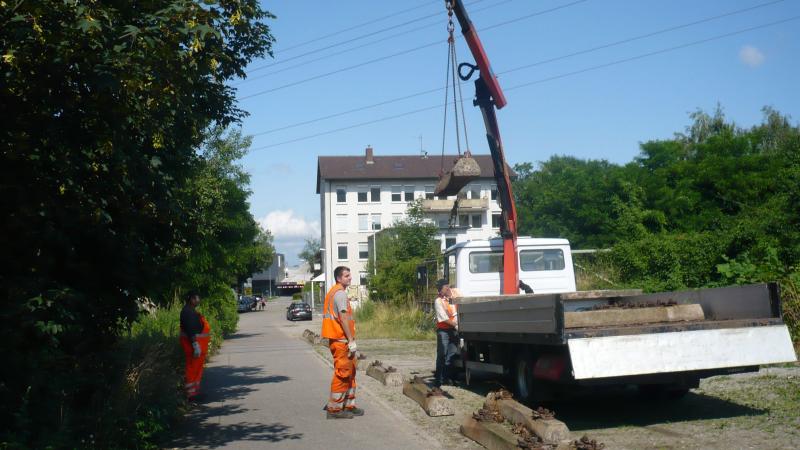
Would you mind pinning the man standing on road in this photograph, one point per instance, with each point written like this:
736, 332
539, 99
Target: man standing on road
446, 339
194, 337
339, 327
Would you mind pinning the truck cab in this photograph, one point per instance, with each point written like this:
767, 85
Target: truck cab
475, 267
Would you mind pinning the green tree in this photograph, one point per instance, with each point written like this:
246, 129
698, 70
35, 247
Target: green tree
311, 254
105, 107
400, 249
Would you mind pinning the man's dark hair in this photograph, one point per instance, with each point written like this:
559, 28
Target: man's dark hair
188, 297
337, 272
441, 283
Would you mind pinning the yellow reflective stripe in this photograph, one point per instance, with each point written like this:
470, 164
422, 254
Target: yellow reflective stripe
196, 335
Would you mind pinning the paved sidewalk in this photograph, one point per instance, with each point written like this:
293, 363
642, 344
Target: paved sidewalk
266, 389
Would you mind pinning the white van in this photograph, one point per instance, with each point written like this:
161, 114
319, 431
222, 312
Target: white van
475, 267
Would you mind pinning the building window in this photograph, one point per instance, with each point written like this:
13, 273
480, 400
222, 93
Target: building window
341, 223
496, 217
429, 192
341, 194
397, 217
408, 194
363, 250
342, 251
375, 194
494, 192
397, 194
363, 222
362, 194
463, 220
362, 278
476, 220
449, 242
444, 223
475, 192
376, 222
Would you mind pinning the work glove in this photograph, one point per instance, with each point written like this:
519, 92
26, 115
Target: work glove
196, 348
352, 346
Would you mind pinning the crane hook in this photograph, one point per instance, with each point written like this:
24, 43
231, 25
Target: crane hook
472, 69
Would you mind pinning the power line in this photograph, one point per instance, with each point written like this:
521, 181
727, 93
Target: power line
641, 36
353, 39
347, 50
543, 80
404, 52
344, 30
538, 63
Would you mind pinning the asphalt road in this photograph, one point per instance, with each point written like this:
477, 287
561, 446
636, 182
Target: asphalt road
266, 389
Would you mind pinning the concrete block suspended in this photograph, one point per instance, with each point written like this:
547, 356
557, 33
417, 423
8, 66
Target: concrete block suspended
465, 170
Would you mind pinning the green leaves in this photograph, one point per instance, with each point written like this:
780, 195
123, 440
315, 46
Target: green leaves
105, 195
717, 204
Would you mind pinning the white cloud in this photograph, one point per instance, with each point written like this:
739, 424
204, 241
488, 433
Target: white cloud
287, 226
751, 56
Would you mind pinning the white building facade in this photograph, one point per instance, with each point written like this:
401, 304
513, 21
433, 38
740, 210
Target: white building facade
360, 195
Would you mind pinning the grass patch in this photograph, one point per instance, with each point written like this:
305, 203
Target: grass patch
385, 320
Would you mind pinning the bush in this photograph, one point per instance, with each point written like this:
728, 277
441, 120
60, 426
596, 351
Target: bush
790, 294
380, 320
297, 296
668, 262
219, 308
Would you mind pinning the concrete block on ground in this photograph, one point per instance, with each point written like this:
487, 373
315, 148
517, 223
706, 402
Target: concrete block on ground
382, 374
633, 316
433, 405
549, 430
489, 434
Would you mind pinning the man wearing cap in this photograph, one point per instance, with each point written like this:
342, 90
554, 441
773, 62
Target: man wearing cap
446, 339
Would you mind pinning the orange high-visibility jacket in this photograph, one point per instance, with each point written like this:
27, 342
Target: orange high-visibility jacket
451, 314
331, 326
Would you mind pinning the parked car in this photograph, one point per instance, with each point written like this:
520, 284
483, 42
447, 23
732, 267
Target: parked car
298, 311
246, 303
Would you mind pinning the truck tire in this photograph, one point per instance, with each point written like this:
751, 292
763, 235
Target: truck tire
522, 377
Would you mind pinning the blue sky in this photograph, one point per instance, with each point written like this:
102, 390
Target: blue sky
563, 107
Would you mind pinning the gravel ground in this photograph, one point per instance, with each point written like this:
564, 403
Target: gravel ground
757, 410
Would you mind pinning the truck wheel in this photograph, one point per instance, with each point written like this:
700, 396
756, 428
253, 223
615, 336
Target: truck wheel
523, 377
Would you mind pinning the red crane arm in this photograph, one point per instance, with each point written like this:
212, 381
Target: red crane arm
488, 97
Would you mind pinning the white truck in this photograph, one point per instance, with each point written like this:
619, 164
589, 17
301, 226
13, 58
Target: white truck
558, 338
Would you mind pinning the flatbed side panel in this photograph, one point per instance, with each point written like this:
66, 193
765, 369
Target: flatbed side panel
615, 356
513, 315
757, 301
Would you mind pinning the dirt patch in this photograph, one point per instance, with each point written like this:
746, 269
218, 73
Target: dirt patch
757, 410
726, 412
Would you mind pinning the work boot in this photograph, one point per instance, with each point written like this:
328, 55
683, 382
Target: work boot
356, 411
343, 414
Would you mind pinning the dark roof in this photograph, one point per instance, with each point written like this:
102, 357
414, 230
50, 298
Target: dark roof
393, 167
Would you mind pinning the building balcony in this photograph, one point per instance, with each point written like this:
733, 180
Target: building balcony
465, 205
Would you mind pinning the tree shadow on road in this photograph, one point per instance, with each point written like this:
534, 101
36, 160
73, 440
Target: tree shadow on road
233, 337
221, 387
226, 383
215, 435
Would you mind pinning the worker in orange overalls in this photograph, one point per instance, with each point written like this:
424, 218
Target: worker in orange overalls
446, 337
195, 334
339, 327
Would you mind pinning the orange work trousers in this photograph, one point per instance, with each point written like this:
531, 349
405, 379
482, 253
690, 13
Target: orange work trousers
194, 366
343, 383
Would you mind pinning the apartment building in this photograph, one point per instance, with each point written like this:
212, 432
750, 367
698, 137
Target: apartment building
360, 195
